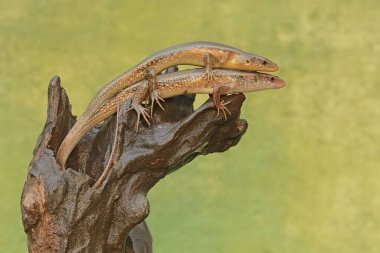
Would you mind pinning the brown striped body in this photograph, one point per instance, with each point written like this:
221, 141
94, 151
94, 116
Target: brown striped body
193, 53
186, 82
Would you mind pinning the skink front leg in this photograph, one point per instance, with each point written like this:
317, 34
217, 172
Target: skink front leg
220, 105
150, 75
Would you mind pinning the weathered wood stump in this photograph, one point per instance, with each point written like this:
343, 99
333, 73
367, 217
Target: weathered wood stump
62, 211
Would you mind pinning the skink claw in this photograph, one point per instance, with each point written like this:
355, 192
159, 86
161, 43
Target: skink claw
155, 98
209, 75
140, 110
222, 107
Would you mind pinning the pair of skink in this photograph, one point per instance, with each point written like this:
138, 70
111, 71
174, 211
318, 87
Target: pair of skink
131, 84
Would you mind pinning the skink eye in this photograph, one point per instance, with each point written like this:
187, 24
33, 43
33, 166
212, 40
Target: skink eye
265, 62
247, 61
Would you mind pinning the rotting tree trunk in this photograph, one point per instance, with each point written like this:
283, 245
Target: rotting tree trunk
63, 212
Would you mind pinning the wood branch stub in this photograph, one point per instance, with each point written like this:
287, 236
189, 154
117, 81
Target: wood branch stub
63, 212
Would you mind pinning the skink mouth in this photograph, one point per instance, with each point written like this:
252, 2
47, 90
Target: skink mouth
274, 81
275, 67
268, 66
280, 83
272, 67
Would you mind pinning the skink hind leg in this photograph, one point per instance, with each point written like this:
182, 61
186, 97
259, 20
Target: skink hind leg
154, 98
111, 159
220, 105
141, 111
138, 97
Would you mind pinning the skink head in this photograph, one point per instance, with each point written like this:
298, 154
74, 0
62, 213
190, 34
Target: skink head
254, 81
250, 62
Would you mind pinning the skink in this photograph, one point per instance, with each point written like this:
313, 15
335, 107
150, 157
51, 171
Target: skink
205, 54
183, 82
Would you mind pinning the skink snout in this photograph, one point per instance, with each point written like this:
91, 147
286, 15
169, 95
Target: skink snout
278, 82
269, 65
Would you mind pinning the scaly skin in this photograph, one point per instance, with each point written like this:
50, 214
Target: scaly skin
204, 54
183, 82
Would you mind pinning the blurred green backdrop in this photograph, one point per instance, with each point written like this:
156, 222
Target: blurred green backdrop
305, 177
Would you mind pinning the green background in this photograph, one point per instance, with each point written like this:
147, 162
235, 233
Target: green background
306, 175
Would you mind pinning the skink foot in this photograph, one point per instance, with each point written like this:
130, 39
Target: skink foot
222, 107
155, 98
140, 110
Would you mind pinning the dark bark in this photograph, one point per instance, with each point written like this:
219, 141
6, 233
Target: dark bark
63, 212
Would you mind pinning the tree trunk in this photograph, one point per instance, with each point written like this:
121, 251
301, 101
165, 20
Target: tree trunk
62, 211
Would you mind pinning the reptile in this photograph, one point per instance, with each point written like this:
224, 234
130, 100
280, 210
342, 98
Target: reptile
193, 81
200, 53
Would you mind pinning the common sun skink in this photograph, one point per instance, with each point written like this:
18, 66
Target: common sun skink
205, 54
183, 82
201, 53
